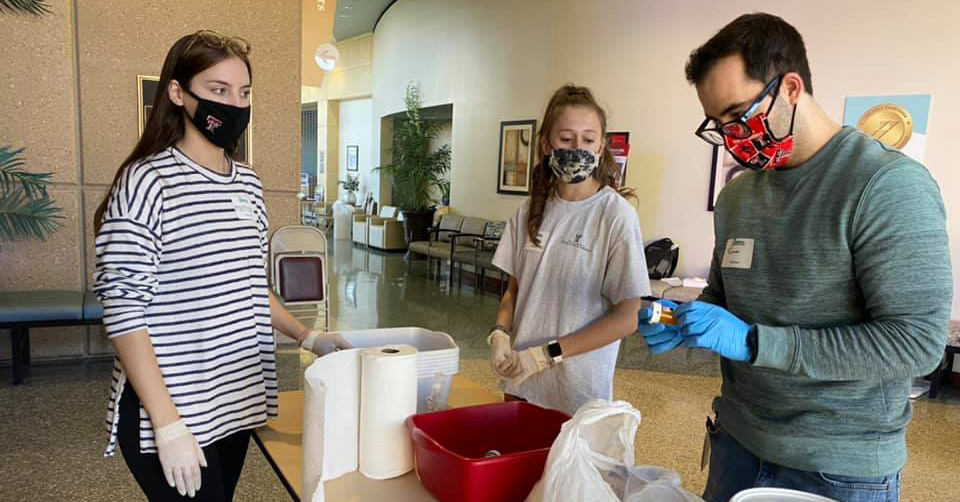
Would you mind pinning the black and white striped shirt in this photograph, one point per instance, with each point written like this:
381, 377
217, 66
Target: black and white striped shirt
182, 254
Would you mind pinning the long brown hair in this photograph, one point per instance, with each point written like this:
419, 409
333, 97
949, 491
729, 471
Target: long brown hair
189, 56
544, 182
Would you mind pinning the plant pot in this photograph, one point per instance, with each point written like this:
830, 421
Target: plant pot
350, 198
416, 223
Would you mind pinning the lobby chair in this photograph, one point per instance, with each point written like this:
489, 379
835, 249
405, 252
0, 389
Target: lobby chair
438, 245
385, 232
464, 246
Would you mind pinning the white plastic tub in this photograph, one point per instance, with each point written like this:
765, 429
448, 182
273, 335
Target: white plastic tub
777, 495
438, 357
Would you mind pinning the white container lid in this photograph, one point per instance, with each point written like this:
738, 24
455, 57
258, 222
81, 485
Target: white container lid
777, 495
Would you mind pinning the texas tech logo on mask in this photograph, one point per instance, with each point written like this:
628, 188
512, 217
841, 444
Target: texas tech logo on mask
213, 123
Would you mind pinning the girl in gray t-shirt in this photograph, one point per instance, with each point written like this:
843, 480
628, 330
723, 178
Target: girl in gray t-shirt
574, 253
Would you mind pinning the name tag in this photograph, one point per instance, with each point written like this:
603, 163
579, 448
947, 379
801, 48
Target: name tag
738, 254
244, 208
544, 237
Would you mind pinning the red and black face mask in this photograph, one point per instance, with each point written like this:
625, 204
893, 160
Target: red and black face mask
756, 147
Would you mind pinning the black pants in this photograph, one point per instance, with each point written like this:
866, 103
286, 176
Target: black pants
218, 480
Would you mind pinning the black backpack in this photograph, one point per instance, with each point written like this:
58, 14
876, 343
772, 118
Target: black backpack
662, 257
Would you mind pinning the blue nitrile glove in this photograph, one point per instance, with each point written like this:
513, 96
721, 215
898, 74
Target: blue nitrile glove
659, 337
715, 328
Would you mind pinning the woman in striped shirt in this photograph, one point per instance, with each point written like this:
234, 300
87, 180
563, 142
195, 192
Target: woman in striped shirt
181, 273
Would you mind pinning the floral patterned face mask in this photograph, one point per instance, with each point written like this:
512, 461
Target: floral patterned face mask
573, 165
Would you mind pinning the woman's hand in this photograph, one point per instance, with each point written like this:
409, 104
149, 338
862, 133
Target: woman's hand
500, 351
180, 457
321, 343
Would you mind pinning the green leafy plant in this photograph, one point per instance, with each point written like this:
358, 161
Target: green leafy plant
26, 210
415, 170
35, 7
351, 184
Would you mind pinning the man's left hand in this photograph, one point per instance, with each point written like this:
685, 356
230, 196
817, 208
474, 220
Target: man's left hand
711, 327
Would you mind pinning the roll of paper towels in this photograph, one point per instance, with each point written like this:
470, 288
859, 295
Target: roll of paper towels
331, 402
388, 396
355, 405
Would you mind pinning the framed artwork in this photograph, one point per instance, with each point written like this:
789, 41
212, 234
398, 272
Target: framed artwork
146, 92
516, 157
353, 158
899, 122
723, 170
619, 145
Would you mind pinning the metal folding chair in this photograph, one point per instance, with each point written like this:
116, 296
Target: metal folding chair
298, 260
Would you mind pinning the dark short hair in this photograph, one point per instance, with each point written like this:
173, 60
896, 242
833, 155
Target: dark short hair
768, 45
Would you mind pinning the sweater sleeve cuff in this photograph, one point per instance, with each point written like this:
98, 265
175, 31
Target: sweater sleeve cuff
777, 347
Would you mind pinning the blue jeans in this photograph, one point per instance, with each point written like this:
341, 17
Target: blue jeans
733, 469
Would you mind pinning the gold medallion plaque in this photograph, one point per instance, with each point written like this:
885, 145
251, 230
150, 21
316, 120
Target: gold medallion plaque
888, 123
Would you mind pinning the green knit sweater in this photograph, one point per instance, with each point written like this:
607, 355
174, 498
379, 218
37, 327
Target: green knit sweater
843, 265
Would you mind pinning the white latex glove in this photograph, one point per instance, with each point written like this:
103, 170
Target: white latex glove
180, 456
500, 350
321, 343
526, 363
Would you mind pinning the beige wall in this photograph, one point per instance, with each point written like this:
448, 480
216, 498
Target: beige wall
351, 79
499, 60
70, 82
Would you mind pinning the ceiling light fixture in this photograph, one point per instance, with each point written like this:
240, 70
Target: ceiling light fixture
326, 57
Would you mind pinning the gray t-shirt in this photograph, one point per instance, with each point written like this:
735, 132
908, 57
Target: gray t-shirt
590, 257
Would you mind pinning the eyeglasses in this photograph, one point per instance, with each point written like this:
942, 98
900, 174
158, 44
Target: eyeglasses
213, 39
736, 128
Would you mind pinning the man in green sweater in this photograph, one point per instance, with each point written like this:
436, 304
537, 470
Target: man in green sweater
830, 285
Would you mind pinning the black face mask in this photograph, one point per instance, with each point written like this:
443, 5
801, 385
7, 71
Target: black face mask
220, 123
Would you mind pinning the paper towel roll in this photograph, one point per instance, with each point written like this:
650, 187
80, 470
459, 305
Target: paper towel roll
331, 418
388, 396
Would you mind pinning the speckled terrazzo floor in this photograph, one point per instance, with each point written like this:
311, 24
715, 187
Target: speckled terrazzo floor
51, 435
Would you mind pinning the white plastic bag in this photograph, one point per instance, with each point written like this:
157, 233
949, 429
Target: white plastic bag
592, 459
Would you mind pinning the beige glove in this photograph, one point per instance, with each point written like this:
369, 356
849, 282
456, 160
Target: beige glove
526, 363
321, 343
500, 351
180, 457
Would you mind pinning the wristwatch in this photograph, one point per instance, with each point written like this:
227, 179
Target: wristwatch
555, 352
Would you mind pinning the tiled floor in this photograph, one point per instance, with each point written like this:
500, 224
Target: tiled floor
51, 436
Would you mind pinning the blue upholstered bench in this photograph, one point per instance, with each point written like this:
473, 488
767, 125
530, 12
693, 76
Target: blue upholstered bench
22, 310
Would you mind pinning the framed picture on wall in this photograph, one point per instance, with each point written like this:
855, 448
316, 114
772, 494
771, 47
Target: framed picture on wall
619, 145
147, 91
516, 157
353, 158
723, 170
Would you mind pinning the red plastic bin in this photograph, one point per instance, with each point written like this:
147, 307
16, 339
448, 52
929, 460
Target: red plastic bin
449, 447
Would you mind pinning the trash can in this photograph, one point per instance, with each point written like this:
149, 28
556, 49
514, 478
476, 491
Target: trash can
342, 221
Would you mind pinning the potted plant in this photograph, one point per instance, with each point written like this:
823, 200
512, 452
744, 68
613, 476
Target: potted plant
417, 172
350, 186
26, 210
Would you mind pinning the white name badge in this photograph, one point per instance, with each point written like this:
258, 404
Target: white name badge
738, 254
244, 208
